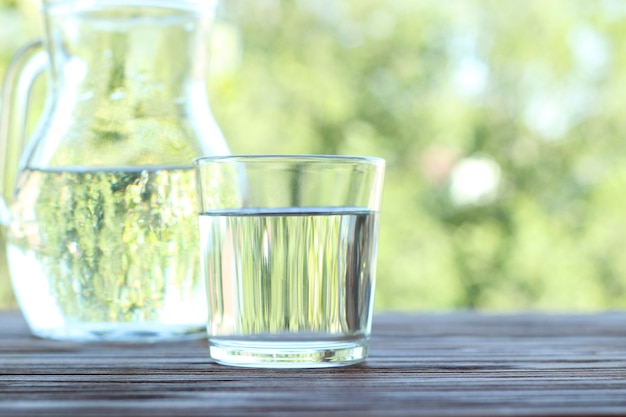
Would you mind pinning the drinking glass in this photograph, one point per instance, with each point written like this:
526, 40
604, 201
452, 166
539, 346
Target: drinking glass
288, 250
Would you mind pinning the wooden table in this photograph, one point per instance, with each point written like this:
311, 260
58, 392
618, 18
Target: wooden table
452, 364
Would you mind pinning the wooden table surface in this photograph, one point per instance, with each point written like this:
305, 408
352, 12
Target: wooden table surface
451, 364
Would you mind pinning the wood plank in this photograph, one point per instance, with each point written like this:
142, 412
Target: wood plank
452, 364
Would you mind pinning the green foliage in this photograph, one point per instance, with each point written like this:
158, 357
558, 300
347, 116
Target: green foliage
530, 89
500, 122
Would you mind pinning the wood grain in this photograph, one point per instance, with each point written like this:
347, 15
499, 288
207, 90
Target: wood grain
453, 364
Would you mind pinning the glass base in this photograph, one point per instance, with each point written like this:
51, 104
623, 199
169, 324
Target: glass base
121, 332
287, 354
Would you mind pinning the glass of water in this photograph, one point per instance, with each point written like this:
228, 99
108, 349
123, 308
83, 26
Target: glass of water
289, 246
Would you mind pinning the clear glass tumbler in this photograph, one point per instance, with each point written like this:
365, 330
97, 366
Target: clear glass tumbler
289, 246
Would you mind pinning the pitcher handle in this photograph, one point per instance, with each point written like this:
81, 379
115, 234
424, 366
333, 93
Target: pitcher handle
22, 71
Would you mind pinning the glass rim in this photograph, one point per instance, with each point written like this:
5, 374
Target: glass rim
347, 159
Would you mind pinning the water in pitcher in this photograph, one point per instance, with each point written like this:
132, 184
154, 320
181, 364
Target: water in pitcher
282, 276
101, 254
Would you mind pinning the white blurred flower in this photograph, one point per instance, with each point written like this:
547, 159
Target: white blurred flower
474, 181
548, 115
471, 76
592, 51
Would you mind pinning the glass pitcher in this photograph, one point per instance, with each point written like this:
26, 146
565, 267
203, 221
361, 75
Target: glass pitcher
101, 210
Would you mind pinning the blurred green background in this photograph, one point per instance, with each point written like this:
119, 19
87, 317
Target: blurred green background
502, 124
